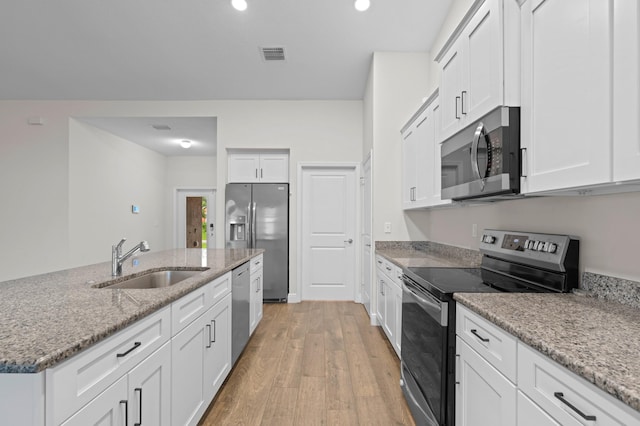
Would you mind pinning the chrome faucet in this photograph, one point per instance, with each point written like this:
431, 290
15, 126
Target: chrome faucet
117, 258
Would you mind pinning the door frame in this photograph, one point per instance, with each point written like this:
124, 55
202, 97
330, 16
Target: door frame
355, 166
363, 231
211, 213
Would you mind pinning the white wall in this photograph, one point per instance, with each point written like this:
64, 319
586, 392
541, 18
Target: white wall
313, 131
34, 164
396, 89
187, 173
107, 175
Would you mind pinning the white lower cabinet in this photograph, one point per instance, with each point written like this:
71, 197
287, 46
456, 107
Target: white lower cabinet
257, 293
164, 370
110, 408
529, 414
201, 359
389, 301
541, 393
150, 389
483, 395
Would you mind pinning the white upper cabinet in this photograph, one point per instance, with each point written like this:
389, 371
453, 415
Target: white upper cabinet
258, 166
566, 93
480, 65
626, 90
421, 158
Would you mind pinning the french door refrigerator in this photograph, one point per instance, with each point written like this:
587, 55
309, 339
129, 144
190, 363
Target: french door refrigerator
257, 216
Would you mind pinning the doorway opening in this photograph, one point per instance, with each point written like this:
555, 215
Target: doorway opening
195, 218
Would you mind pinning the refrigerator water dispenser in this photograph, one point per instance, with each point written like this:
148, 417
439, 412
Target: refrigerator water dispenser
237, 230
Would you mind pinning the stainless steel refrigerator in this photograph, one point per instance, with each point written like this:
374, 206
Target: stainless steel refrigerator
257, 216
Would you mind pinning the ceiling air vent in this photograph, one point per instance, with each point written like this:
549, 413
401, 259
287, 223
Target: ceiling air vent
161, 127
272, 53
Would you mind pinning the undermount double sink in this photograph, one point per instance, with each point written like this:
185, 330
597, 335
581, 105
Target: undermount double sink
156, 279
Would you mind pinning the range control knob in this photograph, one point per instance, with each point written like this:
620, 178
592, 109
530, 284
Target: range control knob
528, 244
552, 248
489, 239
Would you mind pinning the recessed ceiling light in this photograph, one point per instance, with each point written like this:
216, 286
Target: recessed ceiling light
239, 4
362, 5
186, 144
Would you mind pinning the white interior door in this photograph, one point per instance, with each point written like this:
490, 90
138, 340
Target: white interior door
181, 215
367, 251
328, 217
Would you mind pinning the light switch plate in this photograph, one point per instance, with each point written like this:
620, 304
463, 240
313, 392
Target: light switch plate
387, 227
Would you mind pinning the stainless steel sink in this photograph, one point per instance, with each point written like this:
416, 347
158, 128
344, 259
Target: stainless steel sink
158, 279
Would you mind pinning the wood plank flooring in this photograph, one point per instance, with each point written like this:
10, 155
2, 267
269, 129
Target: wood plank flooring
313, 363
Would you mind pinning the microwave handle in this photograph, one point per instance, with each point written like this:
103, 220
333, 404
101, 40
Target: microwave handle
474, 150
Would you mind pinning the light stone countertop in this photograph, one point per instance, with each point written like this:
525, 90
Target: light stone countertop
598, 340
48, 318
428, 254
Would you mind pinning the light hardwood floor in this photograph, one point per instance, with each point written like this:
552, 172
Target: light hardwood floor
313, 363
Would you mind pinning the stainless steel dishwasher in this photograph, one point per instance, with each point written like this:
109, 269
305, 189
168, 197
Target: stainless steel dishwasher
240, 284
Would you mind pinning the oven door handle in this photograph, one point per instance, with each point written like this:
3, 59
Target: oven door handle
434, 304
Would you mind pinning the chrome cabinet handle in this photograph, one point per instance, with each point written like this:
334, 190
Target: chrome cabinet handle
350, 240
139, 407
135, 345
214, 331
474, 150
475, 333
457, 99
209, 344
523, 162
588, 417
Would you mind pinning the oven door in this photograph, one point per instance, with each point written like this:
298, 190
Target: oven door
424, 354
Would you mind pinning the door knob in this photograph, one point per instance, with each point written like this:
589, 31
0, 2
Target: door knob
350, 240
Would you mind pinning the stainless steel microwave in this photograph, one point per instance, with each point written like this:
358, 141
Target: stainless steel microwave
483, 159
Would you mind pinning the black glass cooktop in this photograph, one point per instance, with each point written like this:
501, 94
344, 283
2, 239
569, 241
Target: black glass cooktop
446, 281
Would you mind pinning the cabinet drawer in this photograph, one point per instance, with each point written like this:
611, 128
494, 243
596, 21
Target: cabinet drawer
75, 382
189, 307
256, 263
548, 384
220, 287
494, 344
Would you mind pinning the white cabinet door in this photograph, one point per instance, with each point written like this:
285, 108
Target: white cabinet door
529, 414
243, 168
247, 167
483, 74
483, 395
389, 311
565, 116
626, 90
397, 341
107, 409
217, 362
409, 165
451, 86
188, 382
274, 168
256, 299
424, 163
150, 389
380, 298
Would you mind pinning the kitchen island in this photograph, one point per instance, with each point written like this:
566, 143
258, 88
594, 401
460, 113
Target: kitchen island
48, 318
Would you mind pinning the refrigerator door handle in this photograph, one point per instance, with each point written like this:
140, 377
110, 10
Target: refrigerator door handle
254, 225
249, 232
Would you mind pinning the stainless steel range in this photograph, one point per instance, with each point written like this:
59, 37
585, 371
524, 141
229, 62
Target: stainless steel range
512, 261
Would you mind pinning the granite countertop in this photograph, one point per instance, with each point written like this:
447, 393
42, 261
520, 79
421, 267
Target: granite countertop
596, 339
47, 318
429, 254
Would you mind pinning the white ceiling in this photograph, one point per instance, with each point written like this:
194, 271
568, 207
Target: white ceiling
202, 49
201, 131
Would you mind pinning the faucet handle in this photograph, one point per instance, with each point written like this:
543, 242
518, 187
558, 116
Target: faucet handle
118, 247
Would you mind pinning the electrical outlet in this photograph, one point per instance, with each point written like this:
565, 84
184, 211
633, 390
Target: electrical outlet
474, 230
387, 227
